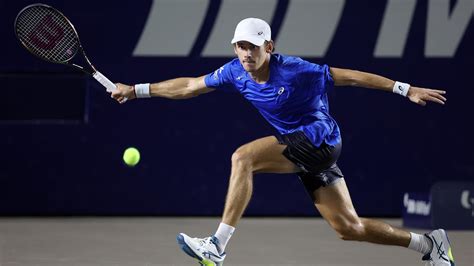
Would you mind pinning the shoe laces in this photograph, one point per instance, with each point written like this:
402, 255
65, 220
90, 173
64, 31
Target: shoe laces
205, 241
208, 241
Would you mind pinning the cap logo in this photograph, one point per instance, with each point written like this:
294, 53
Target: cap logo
260, 33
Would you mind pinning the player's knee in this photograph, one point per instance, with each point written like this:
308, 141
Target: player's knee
349, 230
242, 158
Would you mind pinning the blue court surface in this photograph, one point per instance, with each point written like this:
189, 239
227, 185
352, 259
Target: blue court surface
143, 241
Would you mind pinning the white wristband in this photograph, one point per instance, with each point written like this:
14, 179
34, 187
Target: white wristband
142, 90
401, 88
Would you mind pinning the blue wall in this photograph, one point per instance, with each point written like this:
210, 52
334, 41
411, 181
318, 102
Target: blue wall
73, 165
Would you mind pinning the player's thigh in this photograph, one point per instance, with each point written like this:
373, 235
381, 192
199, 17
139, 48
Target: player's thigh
335, 205
265, 156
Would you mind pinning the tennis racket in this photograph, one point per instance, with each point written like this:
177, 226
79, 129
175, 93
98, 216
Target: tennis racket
49, 35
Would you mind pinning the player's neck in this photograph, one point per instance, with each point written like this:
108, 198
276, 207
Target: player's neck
262, 74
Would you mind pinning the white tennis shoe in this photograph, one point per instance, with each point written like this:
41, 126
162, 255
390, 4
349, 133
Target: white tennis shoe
205, 250
440, 254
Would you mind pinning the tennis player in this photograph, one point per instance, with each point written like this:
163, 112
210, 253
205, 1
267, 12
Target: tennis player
291, 94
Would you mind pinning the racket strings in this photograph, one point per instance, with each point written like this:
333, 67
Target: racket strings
46, 33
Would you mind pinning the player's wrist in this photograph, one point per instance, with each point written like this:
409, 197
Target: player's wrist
401, 88
142, 90
134, 94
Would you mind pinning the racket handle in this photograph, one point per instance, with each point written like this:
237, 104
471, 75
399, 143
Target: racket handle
104, 81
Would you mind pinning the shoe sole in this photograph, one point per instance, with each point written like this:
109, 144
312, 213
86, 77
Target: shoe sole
184, 246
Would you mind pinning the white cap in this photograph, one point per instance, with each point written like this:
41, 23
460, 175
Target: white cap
253, 30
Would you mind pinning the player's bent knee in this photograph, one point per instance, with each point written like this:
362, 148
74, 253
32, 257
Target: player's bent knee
242, 158
349, 230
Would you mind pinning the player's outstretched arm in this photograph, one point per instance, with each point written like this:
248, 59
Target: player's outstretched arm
347, 77
178, 88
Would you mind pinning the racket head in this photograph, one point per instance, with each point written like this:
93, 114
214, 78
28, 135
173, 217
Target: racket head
47, 33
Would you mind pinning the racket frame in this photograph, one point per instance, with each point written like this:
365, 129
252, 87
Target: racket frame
93, 71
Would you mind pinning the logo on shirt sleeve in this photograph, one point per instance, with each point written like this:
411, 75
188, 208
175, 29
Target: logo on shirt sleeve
217, 73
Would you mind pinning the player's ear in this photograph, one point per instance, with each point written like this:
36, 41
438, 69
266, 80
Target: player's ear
269, 46
235, 48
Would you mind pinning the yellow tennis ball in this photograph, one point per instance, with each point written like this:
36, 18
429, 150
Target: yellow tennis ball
131, 156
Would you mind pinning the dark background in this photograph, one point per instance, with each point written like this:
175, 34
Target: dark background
62, 137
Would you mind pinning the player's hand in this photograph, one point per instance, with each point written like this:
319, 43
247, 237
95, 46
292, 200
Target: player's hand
123, 93
422, 95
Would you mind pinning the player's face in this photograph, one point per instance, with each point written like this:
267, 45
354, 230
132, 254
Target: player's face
251, 56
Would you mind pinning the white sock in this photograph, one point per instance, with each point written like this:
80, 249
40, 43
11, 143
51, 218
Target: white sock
420, 243
223, 234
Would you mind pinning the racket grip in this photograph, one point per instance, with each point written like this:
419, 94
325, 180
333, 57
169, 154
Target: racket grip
104, 81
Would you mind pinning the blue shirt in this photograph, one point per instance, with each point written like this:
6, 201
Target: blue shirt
293, 99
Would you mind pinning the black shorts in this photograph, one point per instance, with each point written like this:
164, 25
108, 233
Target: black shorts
318, 164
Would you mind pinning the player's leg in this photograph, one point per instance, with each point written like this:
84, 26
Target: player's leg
261, 155
324, 181
335, 205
